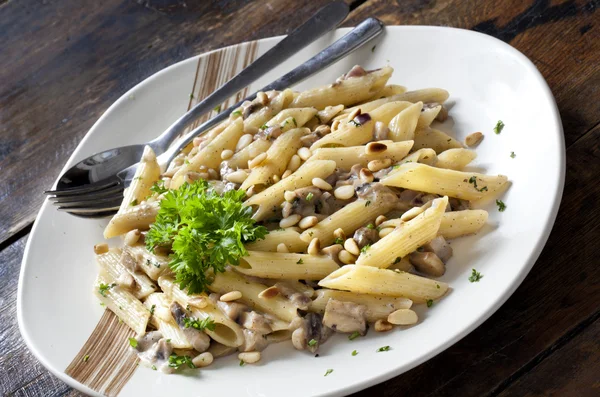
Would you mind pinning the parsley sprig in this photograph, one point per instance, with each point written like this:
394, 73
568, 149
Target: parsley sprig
176, 361
200, 325
205, 231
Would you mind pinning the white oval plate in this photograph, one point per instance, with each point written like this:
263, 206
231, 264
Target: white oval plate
488, 81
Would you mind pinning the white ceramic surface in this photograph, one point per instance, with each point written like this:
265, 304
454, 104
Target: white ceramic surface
488, 80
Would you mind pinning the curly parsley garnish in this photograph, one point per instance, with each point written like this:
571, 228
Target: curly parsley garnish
499, 127
501, 205
475, 276
200, 325
205, 231
159, 187
176, 361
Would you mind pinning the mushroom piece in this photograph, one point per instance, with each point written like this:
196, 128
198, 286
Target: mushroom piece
198, 339
440, 247
356, 71
253, 341
298, 299
129, 260
365, 236
255, 322
152, 348
427, 263
310, 328
458, 204
345, 316
233, 310
333, 251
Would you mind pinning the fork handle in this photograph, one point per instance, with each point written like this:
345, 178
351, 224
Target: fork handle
361, 34
326, 19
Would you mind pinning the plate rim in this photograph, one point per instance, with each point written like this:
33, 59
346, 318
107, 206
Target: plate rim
395, 371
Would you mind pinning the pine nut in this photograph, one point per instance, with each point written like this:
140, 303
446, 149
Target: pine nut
269, 293
353, 114
365, 175
100, 249
288, 195
203, 360
375, 148
163, 313
282, 248
473, 139
238, 176
335, 125
244, 141
294, 163
411, 214
351, 246
213, 173
132, 237
258, 160
382, 326
314, 247
378, 165
251, 191
321, 184
275, 178
380, 219
344, 192
230, 296
249, 357
339, 233
262, 98
304, 153
290, 221
385, 231
308, 221
403, 317
346, 258
198, 301
248, 129
286, 174
226, 154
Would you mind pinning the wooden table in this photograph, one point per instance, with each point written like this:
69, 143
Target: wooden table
64, 62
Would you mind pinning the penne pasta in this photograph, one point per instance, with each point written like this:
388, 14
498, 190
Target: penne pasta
462, 223
110, 262
134, 217
434, 139
427, 95
286, 266
346, 157
159, 303
455, 159
146, 174
403, 125
288, 236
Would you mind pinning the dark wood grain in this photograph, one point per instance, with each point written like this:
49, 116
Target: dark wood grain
64, 62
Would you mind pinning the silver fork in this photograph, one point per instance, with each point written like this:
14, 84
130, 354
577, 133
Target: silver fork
104, 197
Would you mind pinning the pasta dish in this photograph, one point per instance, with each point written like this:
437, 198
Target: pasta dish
302, 215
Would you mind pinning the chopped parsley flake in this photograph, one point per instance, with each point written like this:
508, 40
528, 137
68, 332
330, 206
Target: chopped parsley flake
355, 123
312, 342
85, 358
475, 276
152, 309
383, 349
328, 372
103, 288
373, 48
370, 226
430, 301
309, 196
501, 205
176, 361
217, 108
237, 113
368, 203
242, 363
499, 127
354, 352
133, 342
159, 187
339, 241
353, 335
153, 367
397, 260
200, 325
300, 261
473, 181
191, 96
133, 202
512, 155
263, 127
365, 248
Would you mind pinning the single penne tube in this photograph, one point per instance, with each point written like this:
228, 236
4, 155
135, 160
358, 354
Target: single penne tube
278, 157
288, 236
121, 302
426, 95
210, 155
406, 238
152, 264
324, 116
147, 172
241, 158
226, 331
462, 223
292, 118
459, 184
345, 91
211, 134
277, 306
157, 304
348, 218
134, 217
402, 126
346, 157
428, 114
261, 116
270, 198
111, 263
378, 307
455, 159
286, 265
384, 282
388, 90
434, 139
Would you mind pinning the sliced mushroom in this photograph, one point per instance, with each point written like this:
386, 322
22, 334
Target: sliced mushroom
253, 341
365, 236
458, 204
233, 310
310, 333
298, 299
427, 263
198, 339
129, 260
345, 316
440, 247
255, 322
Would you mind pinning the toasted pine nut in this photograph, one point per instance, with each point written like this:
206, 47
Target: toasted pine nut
339, 233
132, 237
249, 357
321, 184
251, 191
213, 173
244, 141
198, 301
346, 257
304, 153
294, 163
308, 221
314, 247
365, 175
163, 313
411, 214
351, 246
248, 129
286, 174
197, 141
375, 147
269, 293
226, 154
230, 296
262, 98
344, 192
258, 160
203, 359
282, 248
335, 125
100, 249
238, 176
322, 130
353, 114
380, 219
382, 326
403, 317
288, 195
473, 139
290, 221
385, 231
126, 280
378, 165
275, 178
